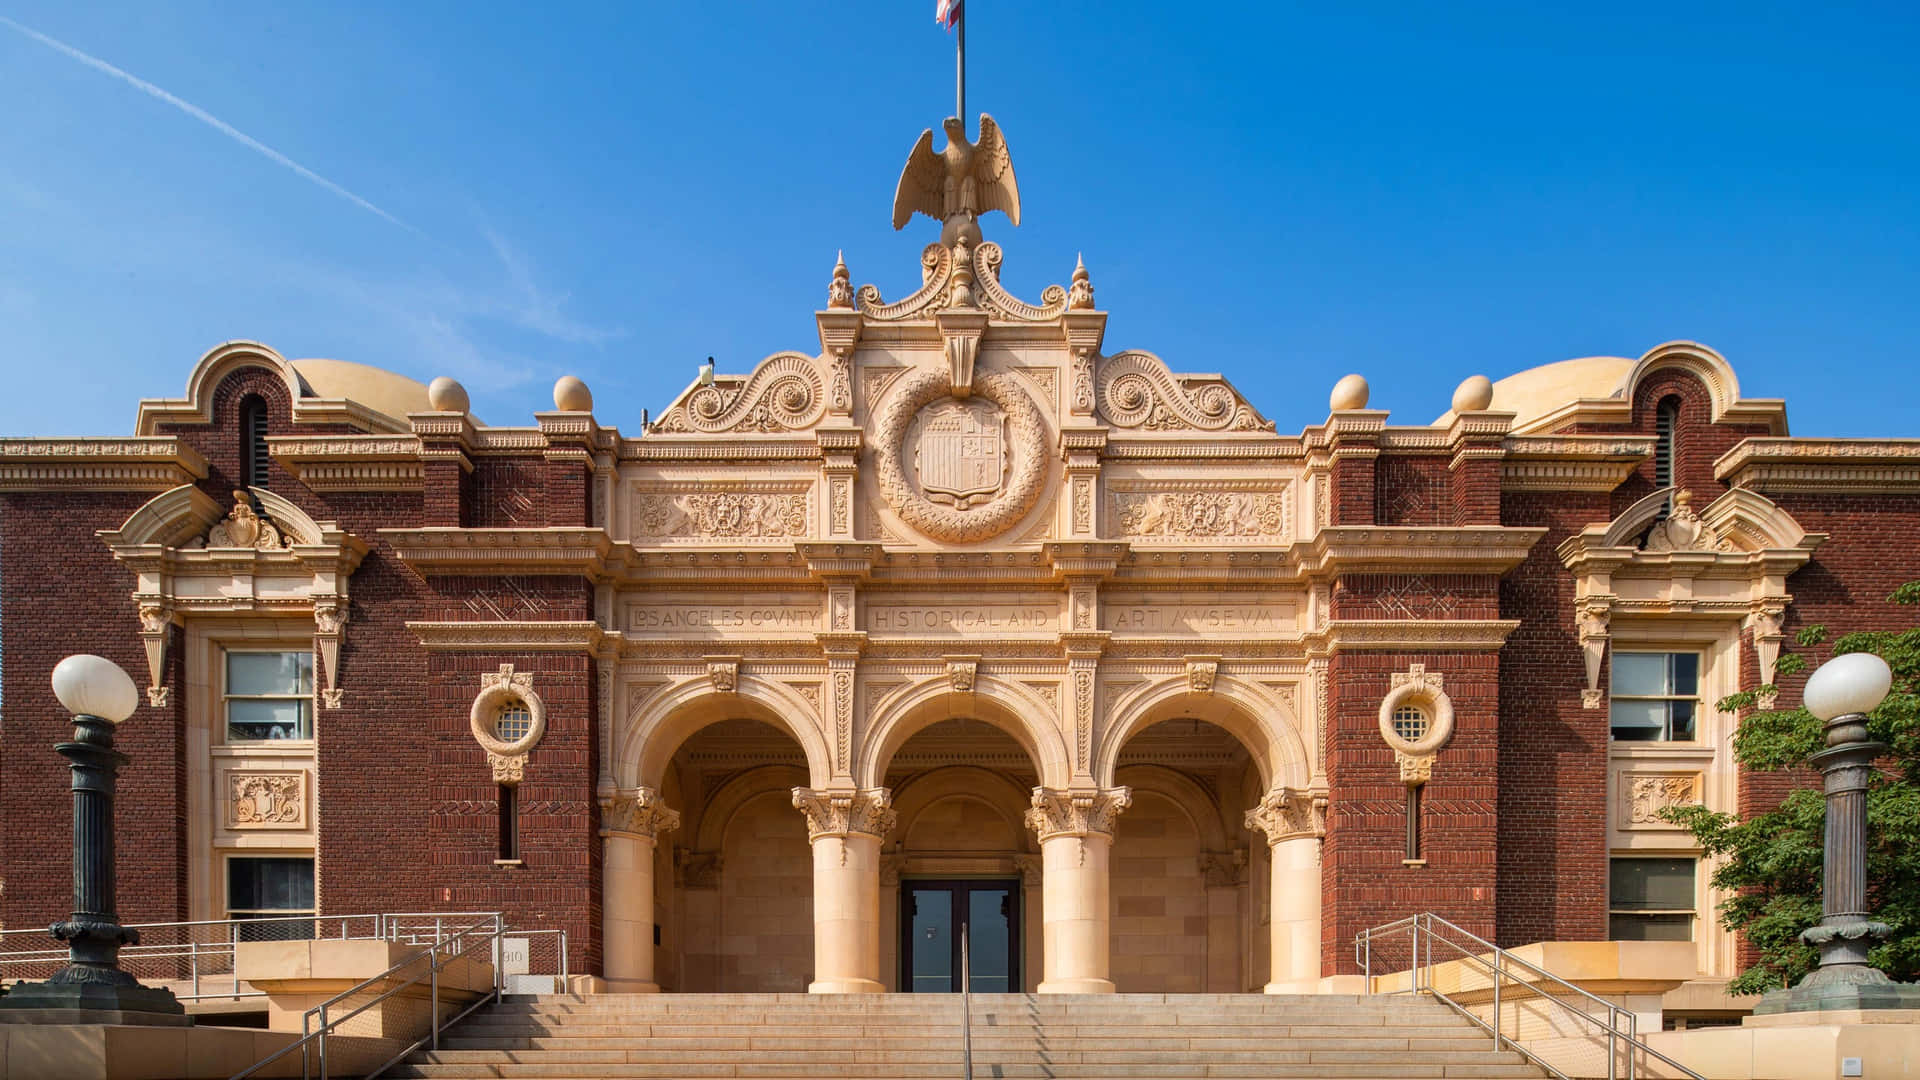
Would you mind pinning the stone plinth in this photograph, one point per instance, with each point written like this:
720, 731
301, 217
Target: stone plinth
138, 1052
1800, 1046
298, 975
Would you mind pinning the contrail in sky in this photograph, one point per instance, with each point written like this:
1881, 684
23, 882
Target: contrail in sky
204, 117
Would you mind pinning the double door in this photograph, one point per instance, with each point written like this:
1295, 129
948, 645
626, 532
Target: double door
932, 915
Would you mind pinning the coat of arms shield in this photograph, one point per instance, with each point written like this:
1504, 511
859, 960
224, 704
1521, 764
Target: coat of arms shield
961, 455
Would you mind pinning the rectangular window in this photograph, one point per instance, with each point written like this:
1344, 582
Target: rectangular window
509, 824
269, 696
1650, 900
273, 889
1655, 696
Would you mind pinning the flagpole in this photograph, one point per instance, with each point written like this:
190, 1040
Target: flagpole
960, 69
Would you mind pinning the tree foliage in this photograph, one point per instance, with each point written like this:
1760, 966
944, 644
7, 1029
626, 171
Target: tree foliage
1771, 863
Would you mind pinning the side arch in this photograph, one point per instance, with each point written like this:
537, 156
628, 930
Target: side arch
1200, 806
736, 792
646, 748
1019, 712
1263, 725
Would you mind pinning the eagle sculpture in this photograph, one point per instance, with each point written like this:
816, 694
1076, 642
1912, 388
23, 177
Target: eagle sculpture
965, 178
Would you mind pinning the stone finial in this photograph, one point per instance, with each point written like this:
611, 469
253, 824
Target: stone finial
1349, 393
962, 275
1080, 292
840, 291
572, 395
1474, 394
447, 395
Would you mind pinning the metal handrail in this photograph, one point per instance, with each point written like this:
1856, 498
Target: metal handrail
1499, 964
966, 1009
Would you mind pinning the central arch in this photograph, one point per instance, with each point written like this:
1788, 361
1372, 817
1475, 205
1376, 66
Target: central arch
1019, 711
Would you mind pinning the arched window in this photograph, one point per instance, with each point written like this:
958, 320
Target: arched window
253, 446
1666, 448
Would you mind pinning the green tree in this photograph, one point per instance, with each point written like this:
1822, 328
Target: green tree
1772, 861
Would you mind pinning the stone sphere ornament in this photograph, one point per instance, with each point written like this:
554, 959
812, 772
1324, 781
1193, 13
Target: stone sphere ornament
1854, 683
572, 395
1349, 393
90, 685
447, 395
1474, 394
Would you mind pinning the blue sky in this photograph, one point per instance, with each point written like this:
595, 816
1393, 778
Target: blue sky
1282, 193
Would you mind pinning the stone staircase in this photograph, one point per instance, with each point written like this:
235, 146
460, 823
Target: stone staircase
1014, 1035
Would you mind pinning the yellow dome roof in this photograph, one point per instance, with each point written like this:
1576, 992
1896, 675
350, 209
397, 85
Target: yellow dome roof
1535, 392
376, 388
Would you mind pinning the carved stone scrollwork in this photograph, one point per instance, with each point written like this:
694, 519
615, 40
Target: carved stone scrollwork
981, 518
1288, 814
783, 394
507, 695
1076, 813
1645, 796
1424, 690
1683, 530
508, 769
840, 813
638, 813
1083, 382
734, 515
266, 800
890, 868
961, 672
935, 269
1200, 514
723, 673
156, 629
1767, 621
1201, 671
1137, 391
995, 298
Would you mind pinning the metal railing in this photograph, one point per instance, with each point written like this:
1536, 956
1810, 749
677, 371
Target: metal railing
966, 1010
1416, 939
344, 1036
197, 956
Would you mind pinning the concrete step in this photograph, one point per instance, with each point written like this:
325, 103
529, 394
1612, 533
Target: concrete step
1277, 1054
1426, 1026
1040, 1071
1465, 1039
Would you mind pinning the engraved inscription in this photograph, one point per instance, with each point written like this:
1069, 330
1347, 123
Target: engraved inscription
1200, 618
646, 617
984, 619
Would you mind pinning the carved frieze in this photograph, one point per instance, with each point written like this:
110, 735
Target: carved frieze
1076, 813
637, 813
266, 800
733, 515
839, 813
1200, 514
1644, 795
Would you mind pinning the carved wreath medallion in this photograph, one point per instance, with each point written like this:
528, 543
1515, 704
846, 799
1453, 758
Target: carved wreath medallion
974, 468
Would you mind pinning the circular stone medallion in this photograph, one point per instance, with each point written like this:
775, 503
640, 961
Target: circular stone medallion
960, 469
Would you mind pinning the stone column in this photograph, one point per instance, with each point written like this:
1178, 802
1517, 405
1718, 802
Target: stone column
630, 822
1076, 836
845, 828
1294, 822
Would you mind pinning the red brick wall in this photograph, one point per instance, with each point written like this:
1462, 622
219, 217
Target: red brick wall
1364, 882
1412, 491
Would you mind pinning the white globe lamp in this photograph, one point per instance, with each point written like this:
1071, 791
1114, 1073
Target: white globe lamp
90, 685
1846, 685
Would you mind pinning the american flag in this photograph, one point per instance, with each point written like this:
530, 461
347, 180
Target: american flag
947, 12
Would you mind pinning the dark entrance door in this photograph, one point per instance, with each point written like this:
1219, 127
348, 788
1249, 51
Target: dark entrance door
931, 915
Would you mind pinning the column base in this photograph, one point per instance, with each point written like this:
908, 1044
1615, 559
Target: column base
122, 1000
628, 986
1077, 986
846, 986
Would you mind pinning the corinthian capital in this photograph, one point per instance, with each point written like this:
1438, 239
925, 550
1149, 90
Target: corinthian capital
639, 813
1288, 814
838, 813
1076, 813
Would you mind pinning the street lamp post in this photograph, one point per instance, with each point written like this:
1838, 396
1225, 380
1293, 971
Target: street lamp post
1841, 693
100, 695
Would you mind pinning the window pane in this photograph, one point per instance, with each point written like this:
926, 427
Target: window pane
269, 884
1650, 927
1682, 713
282, 718
269, 673
1639, 720
1639, 673
1651, 884
1686, 673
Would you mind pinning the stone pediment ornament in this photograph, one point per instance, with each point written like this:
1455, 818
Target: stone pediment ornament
1683, 530
243, 527
1136, 390
960, 470
784, 393
961, 181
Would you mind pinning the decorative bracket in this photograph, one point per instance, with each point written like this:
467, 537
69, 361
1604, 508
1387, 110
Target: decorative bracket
156, 628
1201, 671
1767, 621
724, 673
961, 673
962, 330
1595, 615
329, 626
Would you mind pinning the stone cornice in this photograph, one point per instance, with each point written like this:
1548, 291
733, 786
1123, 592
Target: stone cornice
1840, 466
1408, 635
1084, 558
1592, 463
585, 552
1352, 549
352, 462
570, 636
140, 463
723, 446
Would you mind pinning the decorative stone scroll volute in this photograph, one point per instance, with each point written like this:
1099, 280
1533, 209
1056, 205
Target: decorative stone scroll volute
1289, 814
638, 813
841, 813
1076, 813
